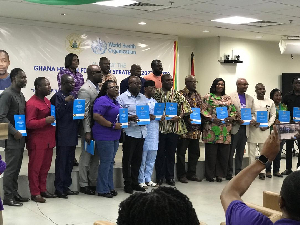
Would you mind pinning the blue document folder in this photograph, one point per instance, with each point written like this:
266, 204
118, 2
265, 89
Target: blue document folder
284, 116
90, 148
262, 118
222, 113
195, 116
246, 115
53, 114
20, 124
142, 112
171, 110
296, 114
159, 109
78, 109
123, 117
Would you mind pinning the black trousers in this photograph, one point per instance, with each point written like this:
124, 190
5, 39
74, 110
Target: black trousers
276, 162
63, 167
193, 155
289, 155
238, 142
132, 159
216, 160
13, 159
165, 159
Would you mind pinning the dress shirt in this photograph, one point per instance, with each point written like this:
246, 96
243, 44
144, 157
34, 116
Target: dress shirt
109, 109
127, 100
78, 78
39, 133
291, 100
151, 140
156, 79
5, 83
183, 106
239, 213
124, 85
66, 127
195, 101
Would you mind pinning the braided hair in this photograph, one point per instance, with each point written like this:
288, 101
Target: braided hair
162, 206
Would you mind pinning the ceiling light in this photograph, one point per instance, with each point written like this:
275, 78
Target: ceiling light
205, 31
236, 20
142, 45
142, 23
63, 14
116, 3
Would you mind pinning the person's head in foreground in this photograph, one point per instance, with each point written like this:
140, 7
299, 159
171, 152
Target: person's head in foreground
161, 206
239, 213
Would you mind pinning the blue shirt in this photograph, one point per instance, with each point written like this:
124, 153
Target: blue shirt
126, 100
5, 83
151, 141
124, 85
239, 213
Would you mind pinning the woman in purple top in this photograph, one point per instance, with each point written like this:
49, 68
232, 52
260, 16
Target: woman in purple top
2, 168
71, 64
106, 132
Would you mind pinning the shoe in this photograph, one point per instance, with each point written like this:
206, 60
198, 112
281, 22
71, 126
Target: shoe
183, 180
38, 198
151, 184
159, 182
69, 192
11, 202
48, 195
114, 192
277, 174
106, 195
92, 188
143, 185
170, 182
194, 178
138, 188
210, 179
86, 190
286, 172
262, 176
75, 163
219, 179
269, 175
128, 189
18, 198
229, 177
61, 195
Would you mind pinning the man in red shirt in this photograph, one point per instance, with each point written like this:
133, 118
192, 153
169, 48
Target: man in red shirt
41, 139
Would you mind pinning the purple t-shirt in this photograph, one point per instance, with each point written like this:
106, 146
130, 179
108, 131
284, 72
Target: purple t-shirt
242, 100
109, 109
239, 213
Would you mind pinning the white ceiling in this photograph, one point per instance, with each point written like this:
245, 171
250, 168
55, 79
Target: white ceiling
187, 18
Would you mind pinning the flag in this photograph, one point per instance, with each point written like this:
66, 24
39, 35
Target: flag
175, 65
192, 64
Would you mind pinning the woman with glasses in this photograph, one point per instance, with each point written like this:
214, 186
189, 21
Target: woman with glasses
217, 133
106, 132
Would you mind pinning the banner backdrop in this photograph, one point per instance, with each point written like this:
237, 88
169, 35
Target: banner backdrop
40, 49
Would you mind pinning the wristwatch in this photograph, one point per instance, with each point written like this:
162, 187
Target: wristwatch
263, 159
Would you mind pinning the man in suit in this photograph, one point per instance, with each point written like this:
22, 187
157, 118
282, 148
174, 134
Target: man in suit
239, 133
66, 137
12, 102
88, 164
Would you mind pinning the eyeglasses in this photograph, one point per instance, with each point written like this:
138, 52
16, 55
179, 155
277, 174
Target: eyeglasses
114, 87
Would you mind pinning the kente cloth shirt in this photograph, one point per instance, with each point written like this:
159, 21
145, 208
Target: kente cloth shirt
195, 101
127, 100
183, 106
78, 79
156, 79
109, 109
213, 133
239, 213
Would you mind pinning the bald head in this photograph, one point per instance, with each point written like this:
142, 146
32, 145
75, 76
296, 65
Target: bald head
241, 85
191, 83
94, 73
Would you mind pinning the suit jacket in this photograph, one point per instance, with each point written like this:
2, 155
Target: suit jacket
236, 102
88, 92
11, 103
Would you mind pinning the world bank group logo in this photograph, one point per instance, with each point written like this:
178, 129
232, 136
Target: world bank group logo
99, 46
74, 43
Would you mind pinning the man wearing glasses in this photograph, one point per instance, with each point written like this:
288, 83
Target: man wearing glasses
189, 140
88, 164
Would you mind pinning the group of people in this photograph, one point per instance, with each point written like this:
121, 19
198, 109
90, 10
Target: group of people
144, 147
